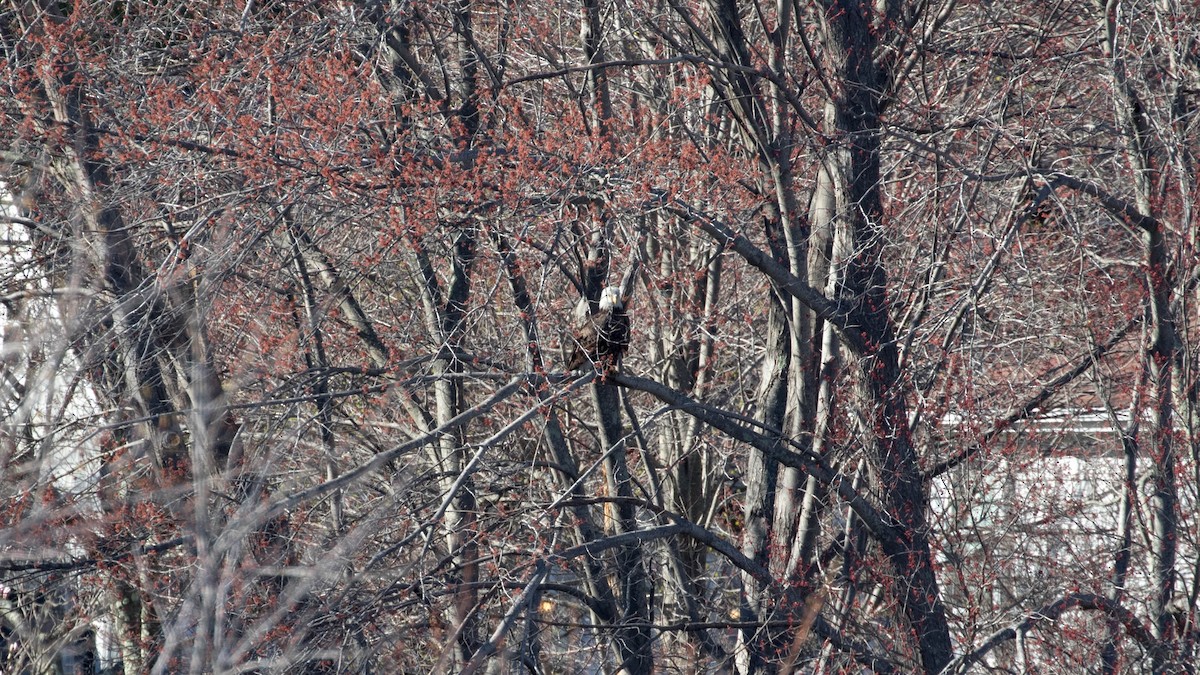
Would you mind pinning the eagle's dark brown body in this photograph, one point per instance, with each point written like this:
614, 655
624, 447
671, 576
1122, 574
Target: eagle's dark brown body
602, 337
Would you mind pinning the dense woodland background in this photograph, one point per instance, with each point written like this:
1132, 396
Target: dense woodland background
913, 384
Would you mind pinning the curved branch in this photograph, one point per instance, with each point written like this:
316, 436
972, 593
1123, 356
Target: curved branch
1085, 601
1124, 210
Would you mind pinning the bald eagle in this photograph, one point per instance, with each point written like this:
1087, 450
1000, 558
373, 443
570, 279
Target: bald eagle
602, 337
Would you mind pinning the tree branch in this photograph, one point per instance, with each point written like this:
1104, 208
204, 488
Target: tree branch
1026, 408
878, 523
843, 319
1128, 213
730, 552
1050, 613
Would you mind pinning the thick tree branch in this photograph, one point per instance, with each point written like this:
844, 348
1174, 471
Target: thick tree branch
877, 523
1050, 613
841, 317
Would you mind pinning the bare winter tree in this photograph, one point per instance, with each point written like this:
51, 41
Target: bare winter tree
911, 387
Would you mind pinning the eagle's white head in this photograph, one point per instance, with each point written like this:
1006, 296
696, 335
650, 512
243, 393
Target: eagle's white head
610, 298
